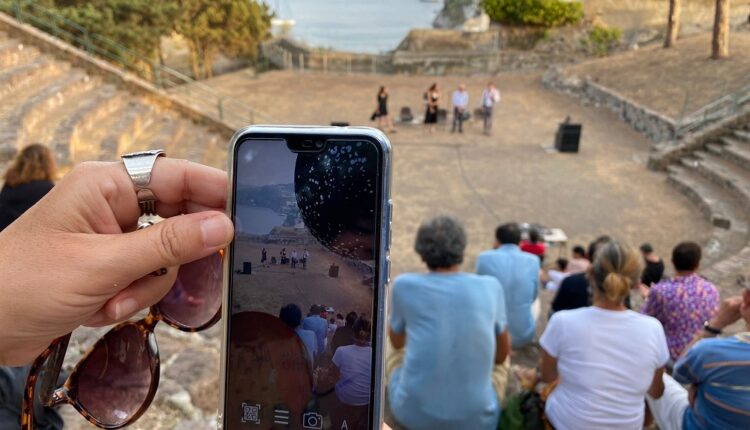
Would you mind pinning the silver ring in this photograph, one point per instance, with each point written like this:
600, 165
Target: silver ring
139, 166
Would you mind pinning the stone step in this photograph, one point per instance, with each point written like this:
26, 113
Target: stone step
128, 124
743, 135
738, 154
729, 218
163, 131
96, 105
723, 173
35, 72
28, 115
14, 53
715, 148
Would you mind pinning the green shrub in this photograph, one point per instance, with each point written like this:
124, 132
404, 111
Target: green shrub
601, 40
543, 13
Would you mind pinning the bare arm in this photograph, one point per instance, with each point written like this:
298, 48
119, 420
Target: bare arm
657, 384
548, 367
502, 347
398, 340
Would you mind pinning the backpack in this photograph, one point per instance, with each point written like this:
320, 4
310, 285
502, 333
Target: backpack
523, 411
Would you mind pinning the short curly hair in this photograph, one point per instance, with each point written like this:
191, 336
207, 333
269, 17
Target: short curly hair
441, 242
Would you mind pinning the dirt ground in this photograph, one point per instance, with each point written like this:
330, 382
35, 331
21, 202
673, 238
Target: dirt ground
677, 81
606, 188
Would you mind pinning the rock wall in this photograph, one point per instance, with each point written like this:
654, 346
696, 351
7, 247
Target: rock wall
656, 126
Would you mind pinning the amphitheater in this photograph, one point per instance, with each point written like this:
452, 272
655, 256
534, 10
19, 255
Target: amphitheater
85, 109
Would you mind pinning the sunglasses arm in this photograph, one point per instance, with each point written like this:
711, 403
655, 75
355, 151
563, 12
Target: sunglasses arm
51, 367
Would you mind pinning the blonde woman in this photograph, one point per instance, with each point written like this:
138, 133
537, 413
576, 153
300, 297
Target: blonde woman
605, 357
28, 179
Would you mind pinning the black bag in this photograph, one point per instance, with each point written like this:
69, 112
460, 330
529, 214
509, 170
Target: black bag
374, 116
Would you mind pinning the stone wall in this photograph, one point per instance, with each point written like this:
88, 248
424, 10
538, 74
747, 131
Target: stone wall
656, 126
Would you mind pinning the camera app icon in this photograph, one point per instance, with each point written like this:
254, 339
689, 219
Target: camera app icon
250, 413
311, 420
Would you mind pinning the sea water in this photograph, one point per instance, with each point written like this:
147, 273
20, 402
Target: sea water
371, 26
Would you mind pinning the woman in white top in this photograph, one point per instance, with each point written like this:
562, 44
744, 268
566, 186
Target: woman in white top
606, 357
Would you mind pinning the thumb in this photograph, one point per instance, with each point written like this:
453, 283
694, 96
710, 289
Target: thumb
172, 242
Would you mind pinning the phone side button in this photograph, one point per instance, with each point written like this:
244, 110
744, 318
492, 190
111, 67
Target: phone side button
389, 231
387, 269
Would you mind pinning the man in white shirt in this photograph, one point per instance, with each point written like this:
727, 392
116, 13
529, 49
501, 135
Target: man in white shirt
460, 103
490, 97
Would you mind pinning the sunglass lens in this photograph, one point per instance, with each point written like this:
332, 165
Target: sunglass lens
115, 379
195, 297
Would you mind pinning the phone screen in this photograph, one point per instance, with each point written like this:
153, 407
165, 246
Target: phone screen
300, 345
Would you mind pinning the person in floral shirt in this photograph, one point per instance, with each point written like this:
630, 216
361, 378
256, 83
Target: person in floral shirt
685, 302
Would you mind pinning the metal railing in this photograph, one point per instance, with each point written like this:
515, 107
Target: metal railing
190, 91
714, 111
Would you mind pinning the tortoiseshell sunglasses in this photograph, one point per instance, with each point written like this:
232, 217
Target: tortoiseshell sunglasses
115, 382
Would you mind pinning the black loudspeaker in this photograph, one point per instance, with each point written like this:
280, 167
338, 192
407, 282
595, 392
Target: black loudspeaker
568, 137
247, 268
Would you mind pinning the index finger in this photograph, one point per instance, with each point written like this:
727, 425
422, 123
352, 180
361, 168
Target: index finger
178, 186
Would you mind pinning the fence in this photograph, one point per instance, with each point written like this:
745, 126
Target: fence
288, 55
715, 111
190, 91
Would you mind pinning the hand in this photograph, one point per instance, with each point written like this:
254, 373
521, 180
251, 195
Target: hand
728, 314
75, 258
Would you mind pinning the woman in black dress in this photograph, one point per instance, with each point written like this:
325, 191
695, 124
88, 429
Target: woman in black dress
382, 111
27, 180
432, 97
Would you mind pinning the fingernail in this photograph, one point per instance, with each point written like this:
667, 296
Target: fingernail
125, 308
214, 231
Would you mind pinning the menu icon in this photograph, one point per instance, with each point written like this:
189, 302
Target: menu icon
281, 416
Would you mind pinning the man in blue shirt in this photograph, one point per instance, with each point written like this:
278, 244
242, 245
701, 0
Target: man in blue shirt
716, 371
440, 370
460, 102
518, 273
317, 324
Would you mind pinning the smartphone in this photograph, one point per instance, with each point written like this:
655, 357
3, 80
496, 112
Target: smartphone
305, 279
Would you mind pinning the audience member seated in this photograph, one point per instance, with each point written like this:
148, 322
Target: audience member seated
574, 291
351, 368
605, 357
579, 263
447, 329
556, 276
316, 322
684, 303
518, 273
344, 335
653, 271
716, 374
291, 315
535, 244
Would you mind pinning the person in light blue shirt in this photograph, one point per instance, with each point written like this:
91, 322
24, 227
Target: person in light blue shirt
317, 323
460, 103
447, 333
518, 273
291, 314
716, 372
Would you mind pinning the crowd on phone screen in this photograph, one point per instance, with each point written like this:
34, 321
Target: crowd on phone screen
603, 365
339, 354
460, 108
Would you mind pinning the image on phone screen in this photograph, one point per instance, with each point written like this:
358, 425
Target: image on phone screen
303, 286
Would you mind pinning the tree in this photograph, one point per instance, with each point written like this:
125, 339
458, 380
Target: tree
720, 43
232, 27
673, 23
137, 25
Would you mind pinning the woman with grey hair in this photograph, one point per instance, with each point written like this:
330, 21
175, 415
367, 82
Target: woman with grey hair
455, 326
